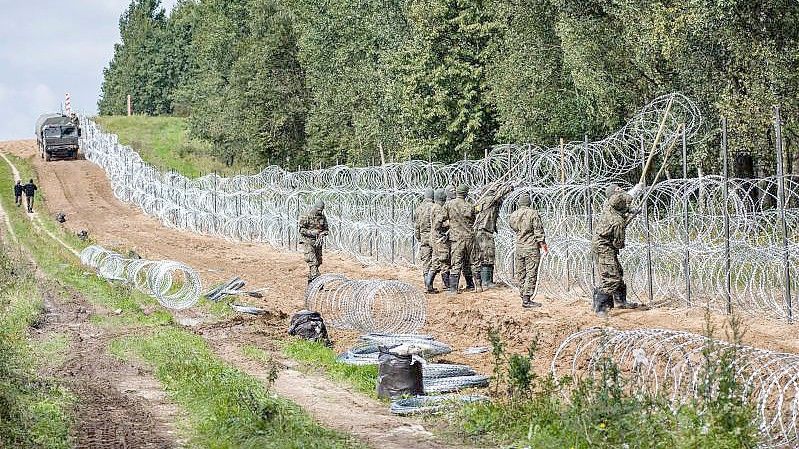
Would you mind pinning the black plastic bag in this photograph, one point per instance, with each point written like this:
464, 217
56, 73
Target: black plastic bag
310, 326
398, 375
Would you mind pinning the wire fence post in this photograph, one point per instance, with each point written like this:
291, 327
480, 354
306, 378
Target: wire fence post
725, 190
589, 212
781, 201
686, 223
216, 179
645, 208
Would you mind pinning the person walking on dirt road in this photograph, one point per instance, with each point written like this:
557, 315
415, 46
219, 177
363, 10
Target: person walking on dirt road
486, 213
313, 229
609, 237
530, 241
29, 189
421, 230
18, 193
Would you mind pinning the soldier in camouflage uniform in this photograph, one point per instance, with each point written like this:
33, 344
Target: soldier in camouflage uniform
530, 240
439, 241
609, 237
485, 226
421, 228
313, 229
461, 237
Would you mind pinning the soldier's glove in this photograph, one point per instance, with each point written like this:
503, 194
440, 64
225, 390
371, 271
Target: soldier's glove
544, 247
636, 190
632, 214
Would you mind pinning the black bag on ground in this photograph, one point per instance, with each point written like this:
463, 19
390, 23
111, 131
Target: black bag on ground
398, 375
310, 326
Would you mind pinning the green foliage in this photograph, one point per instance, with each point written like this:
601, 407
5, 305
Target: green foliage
307, 82
603, 411
317, 355
226, 407
33, 410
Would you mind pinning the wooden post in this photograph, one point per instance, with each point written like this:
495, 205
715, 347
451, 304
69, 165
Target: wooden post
130, 107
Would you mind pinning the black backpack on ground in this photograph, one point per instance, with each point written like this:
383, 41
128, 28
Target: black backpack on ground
310, 326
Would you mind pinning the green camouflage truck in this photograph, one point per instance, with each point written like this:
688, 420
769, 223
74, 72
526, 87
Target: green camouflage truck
57, 136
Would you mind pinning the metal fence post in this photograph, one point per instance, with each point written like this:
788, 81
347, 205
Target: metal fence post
686, 224
781, 201
589, 212
727, 275
645, 208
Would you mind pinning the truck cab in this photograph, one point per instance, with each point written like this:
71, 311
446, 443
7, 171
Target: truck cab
57, 136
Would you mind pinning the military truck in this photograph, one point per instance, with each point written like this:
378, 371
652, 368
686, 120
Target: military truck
57, 136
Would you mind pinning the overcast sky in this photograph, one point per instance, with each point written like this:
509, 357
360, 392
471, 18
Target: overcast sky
48, 48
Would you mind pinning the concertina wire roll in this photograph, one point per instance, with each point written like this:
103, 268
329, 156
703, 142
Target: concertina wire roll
370, 209
672, 364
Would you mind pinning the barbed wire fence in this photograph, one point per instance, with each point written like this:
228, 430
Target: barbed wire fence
707, 240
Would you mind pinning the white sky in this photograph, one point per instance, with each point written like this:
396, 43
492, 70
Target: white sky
48, 48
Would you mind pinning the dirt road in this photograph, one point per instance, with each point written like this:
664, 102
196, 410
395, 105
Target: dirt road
81, 191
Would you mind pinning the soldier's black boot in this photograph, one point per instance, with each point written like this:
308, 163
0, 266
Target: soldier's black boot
445, 279
602, 303
528, 303
454, 280
469, 282
620, 299
487, 274
428, 281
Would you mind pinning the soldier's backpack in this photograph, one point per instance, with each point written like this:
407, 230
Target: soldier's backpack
310, 326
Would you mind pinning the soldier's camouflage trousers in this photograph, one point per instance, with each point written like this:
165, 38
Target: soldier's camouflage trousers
525, 266
461, 258
313, 257
425, 257
441, 257
484, 248
609, 273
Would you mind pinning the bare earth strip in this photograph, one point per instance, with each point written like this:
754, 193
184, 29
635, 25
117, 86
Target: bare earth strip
81, 191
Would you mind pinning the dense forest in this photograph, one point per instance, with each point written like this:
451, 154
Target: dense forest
308, 82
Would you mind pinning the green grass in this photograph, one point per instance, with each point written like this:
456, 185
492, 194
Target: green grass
34, 412
226, 407
165, 143
318, 356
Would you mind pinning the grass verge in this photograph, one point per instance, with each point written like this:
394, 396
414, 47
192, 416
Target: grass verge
226, 407
318, 356
165, 143
33, 410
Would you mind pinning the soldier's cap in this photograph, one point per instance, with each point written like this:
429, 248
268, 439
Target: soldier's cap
524, 200
428, 193
610, 190
462, 189
319, 205
440, 195
450, 193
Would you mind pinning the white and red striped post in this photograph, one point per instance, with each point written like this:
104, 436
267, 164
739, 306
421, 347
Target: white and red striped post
68, 104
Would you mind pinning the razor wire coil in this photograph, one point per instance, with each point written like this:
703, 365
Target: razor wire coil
173, 284
671, 363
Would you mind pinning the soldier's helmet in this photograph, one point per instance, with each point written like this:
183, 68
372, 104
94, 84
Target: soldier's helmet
450, 193
620, 201
319, 206
462, 190
440, 195
428, 193
610, 190
524, 200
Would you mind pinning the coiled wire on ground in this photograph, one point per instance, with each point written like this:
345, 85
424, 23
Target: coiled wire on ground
173, 284
372, 305
659, 361
366, 350
432, 404
370, 210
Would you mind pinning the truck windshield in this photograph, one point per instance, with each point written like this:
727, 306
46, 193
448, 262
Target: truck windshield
69, 131
52, 132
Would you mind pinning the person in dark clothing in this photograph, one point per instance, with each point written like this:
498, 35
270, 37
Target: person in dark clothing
30, 189
18, 193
